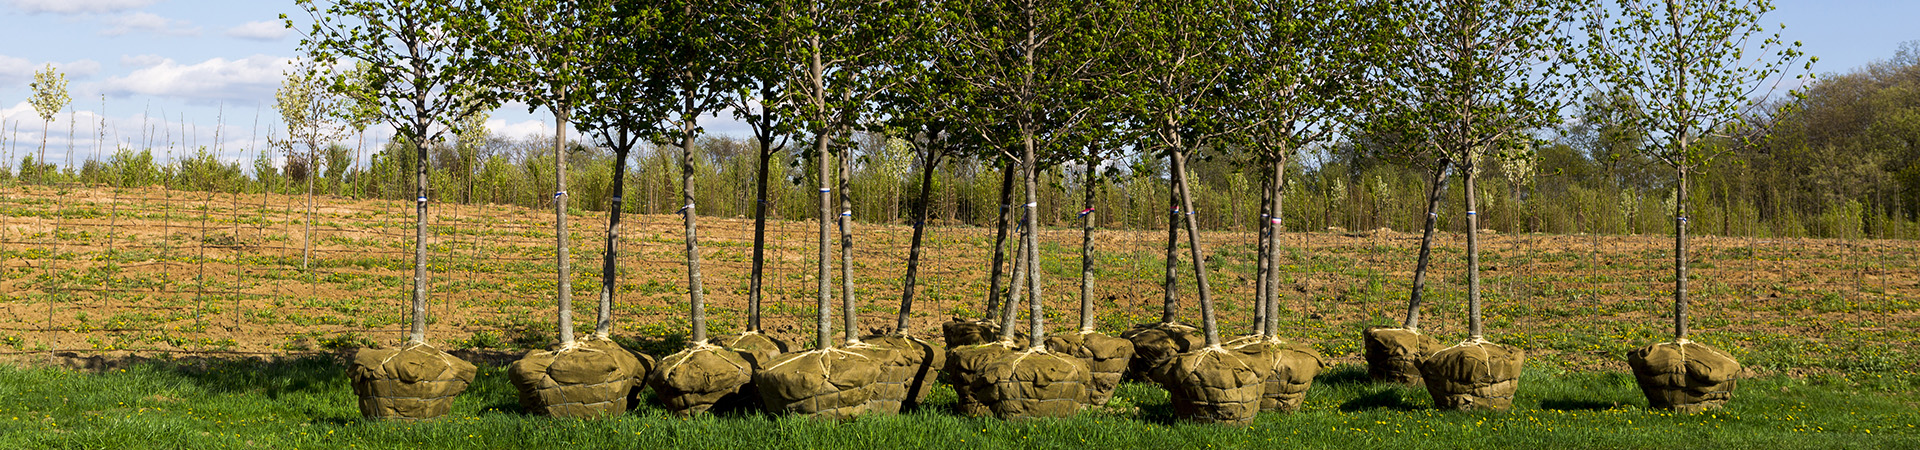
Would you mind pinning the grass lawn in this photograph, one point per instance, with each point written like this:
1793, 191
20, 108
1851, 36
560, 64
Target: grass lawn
305, 403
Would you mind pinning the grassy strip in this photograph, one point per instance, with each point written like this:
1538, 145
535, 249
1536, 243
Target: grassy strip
305, 403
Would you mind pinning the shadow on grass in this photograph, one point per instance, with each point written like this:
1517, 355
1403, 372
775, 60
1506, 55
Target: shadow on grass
1562, 404
1385, 397
1344, 374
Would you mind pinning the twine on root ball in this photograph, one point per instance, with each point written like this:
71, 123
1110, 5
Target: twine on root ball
1473, 375
758, 348
1293, 367
964, 371
586, 380
1033, 383
831, 383
1216, 384
906, 380
1394, 354
703, 378
1684, 376
1155, 344
1106, 358
412, 382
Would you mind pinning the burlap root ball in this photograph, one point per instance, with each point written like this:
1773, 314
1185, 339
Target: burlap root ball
964, 367
1106, 358
906, 380
1684, 376
758, 348
1216, 384
1394, 354
961, 333
1473, 375
1294, 366
703, 378
577, 381
833, 383
414, 381
1033, 383
643, 366
1155, 344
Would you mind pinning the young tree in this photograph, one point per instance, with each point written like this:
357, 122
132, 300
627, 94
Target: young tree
313, 112
762, 67
49, 97
414, 66
1686, 65
1480, 75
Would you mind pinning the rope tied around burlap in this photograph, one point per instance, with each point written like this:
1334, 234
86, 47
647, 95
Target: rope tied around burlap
413, 381
1215, 384
1034, 383
1474, 374
721, 373
1106, 358
1394, 354
592, 378
832, 383
1684, 375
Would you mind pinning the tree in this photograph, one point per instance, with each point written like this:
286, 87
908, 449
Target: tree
693, 45
1686, 65
1479, 76
762, 67
313, 112
49, 97
414, 66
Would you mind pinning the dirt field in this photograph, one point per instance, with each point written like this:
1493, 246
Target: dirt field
107, 271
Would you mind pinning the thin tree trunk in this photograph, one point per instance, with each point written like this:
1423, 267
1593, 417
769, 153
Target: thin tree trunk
1086, 245
1263, 262
696, 291
562, 260
1439, 187
306, 253
1170, 304
1015, 292
418, 333
825, 274
1475, 331
1036, 320
932, 161
759, 238
1193, 247
1000, 241
1276, 224
849, 310
609, 264
1680, 260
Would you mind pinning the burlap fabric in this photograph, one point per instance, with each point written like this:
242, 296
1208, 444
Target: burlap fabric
961, 333
1294, 366
1394, 354
832, 383
1033, 383
410, 382
703, 378
758, 348
1473, 375
906, 380
1155, 344
1216, 384
964, 368
579, 381
1684, 376
1106, 358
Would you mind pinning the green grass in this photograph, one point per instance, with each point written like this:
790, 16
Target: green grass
305, 403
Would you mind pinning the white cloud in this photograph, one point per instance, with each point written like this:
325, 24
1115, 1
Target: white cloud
146, 60
149, 23
249, 79
265, 30
519, 129
78, 6
18, 71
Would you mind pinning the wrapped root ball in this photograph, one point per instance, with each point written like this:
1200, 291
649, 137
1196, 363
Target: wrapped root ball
909, 378
964, 368
703, 378
757, 348
831, 383
1033, 383
1684, 376
411, 382
1155, 344
1394, 354
1473, 375
1216, 384
1106, 358
578, 381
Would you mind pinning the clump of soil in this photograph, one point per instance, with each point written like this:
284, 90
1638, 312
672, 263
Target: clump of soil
1033, 383
965, 368
414, 381
1216, 384
1106, 357
906, 380
1293, 367
1155, 344
1684, 376
577, 381
756, 347
832, 383
1394, 354
704, 378
1474, 375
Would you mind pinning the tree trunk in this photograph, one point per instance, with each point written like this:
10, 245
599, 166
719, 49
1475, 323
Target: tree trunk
1086, 244
1680, 259
824, 312
561, 249
306, 248
1263, 261
1170, 303
849, 310
696, 291
1277, 225
609, 265
1439, 188
1035, 319
1016, 291
1000, 242
932, 161
759, 237
1475, 331
418, 333
1193, 247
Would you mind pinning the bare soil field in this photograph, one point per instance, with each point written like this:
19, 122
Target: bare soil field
105, 271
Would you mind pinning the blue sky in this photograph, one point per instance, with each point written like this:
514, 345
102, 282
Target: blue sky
194, 60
